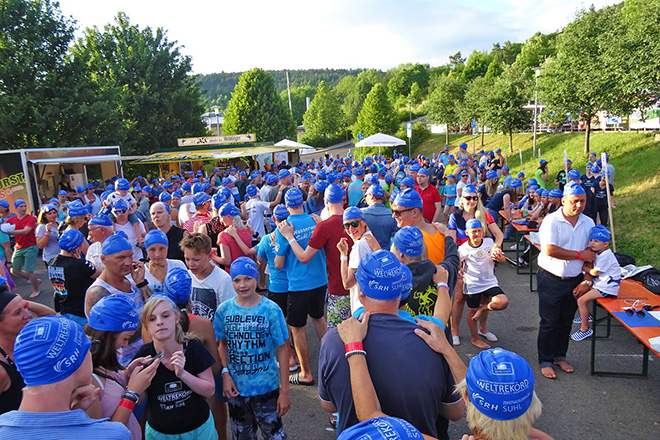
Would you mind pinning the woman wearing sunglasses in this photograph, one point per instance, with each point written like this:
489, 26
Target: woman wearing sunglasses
363, 243
112, 321
469, 207
46, 233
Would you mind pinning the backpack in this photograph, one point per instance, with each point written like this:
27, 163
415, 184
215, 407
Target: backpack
650, 279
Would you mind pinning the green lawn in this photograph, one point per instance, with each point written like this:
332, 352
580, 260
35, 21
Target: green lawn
635, 156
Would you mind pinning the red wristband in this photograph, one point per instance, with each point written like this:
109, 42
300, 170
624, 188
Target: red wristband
127, 404
354, 346
579, 255
27, 303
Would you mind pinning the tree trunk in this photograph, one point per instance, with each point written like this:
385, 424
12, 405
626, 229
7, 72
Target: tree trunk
447, 135
482, 135
587, 133
511, 141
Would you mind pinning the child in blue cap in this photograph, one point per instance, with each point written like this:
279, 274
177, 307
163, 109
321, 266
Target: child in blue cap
450, 197
483, 294
253, 339
607, 279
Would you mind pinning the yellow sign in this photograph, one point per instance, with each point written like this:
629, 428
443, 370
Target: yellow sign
216, 140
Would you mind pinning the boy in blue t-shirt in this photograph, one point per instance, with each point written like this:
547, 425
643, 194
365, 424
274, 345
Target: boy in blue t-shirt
450, 197
252, 335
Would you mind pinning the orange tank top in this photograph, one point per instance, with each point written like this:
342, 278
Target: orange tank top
435, 246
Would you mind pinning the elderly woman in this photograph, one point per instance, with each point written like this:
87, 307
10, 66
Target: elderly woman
236, 240
158, 266
15, 312
469, 207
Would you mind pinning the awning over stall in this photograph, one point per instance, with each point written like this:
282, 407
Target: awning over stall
213, 153
78, 159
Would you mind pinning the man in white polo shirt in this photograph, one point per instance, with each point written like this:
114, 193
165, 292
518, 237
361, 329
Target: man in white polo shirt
564, 236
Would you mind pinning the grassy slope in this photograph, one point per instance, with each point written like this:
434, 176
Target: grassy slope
635, 156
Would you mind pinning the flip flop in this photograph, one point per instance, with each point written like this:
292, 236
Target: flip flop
293, 368
489, 336
456, 341
295, 380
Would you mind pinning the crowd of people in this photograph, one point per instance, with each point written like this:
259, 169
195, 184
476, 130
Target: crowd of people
181, 305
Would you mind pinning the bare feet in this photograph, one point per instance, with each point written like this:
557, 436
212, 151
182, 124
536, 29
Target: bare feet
482, 308
480, 344
36, 293
565, 366
548, 373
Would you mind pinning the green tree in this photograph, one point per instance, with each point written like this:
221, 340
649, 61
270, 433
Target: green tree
377, 114
255, 107
299, 97
146, 82
416, 94
35, 86
353, 101
443, 102
503, 106
477, 65
576, 80
474, 102
323, 121
632, 57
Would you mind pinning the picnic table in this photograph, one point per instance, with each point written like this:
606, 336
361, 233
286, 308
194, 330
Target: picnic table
533, 253
520, 229
642, 328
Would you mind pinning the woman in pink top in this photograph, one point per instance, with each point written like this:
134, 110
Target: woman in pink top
112, 322
236, 240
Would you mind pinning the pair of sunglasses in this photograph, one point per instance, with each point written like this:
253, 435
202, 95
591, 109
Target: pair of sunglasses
642, 312
120, 211
472, 198
354, 223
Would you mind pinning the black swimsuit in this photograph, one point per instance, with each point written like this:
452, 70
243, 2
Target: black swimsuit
11, 399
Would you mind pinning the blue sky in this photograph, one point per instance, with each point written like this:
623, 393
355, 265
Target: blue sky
297, 34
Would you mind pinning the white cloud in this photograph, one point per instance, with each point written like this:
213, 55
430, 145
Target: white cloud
296, 34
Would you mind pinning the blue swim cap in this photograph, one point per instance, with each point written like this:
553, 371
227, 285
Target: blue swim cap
320, 185
531, 182
573, 189
251, 190
165, 197
244, 266
283, 174
71, 240
555, 193
515, 183
491, 174
280, 212
178, 285
196, 188
218, 200
407, 282
353, 213
473, 223
101, 220
80, 189
595, 169
408, 181
409, 198
122, 185
469, 189
573, 174
293, 198
376, 191
77, 209
62, 193
49, 350
359, 171
200, 198
600, 233
155, 237
186, 186
114, 313
333, 194
119, 205
379, 275
19, 202
409, 241
229, 209
388, 178
116, 243
500, 384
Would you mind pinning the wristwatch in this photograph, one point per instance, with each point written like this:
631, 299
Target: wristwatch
588, 282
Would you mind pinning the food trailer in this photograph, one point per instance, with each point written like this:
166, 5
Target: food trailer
34, 174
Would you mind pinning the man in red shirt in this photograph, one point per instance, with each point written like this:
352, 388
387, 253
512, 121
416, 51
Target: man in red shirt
430, 196
25, 255
326, 235
202, 203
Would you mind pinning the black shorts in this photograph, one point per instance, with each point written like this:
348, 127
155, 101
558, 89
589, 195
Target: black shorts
281, 299
473, 300
303, 303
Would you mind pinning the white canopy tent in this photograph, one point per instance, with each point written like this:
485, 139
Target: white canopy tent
303, 148
380, 140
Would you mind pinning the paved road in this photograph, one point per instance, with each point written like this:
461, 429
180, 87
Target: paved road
575, 406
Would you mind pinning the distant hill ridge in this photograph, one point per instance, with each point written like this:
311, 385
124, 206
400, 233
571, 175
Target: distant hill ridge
215, 85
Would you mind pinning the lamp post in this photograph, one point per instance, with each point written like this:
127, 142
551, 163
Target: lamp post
409, 121
537, 73
216, 110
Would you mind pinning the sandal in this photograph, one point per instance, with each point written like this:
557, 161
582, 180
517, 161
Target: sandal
489, 336
295, 380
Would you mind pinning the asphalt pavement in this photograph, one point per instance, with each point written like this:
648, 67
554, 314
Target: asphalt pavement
575, 406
